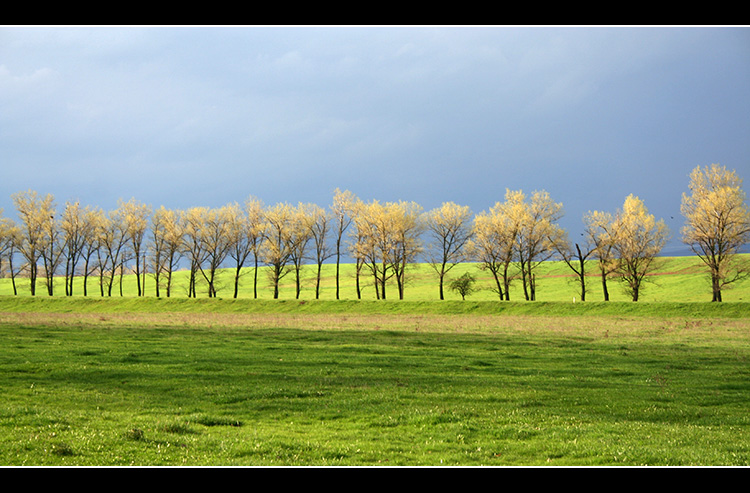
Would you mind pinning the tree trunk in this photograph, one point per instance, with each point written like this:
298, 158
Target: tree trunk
604, 286
237, 281
359, 268
338, 260
317, 282
255, 278
716, 286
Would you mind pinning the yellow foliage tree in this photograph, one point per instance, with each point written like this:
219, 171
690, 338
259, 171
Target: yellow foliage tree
639, 240
166, 247
717, 224
78, 226
537, 236
493, 240
278, 243
37, 239
136, 220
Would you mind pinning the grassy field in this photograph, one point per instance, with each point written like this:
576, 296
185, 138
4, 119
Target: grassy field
140, 382
170, 382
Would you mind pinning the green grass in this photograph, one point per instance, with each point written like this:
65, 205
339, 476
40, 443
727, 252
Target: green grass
179, 381
127, 381
676, 279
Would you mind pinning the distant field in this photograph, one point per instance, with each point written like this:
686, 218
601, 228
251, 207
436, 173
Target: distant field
681, 279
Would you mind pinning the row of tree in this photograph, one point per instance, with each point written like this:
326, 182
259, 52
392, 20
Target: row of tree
509, 241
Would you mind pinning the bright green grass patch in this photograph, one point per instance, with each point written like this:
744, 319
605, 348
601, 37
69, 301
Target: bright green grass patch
675, 279
42, 304
605, 391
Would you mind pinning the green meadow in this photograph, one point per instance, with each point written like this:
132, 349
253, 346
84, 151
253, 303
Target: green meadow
674, 279
128, 381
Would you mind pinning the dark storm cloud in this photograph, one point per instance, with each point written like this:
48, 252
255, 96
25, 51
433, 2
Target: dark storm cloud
186, 116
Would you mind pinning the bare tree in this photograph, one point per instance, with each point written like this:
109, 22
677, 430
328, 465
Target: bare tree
342, 210
193, 247
449, 228
91, 243
575, 258
113, 242
601, 234
319, 222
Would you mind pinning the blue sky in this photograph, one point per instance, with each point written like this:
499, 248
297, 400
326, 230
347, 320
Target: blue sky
188, 116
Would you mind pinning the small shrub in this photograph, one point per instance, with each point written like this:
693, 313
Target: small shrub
464, 285
62, 449
134, 434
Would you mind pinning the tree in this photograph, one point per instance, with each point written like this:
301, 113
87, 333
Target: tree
600, 233
10, 237
136, 217
717, 224
193, 247
407, 231
246, 231
113, 241
319, 223
96, 219
214, 235
493, 241
388, 239
357, 245
640, 238
37, 221
537, 235
464, 285
278, 243
342, 211
300, 234
575, 258
77, 229
239, 240
449, 227
166, 246
374, 243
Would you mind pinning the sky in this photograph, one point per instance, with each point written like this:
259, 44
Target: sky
185, 116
